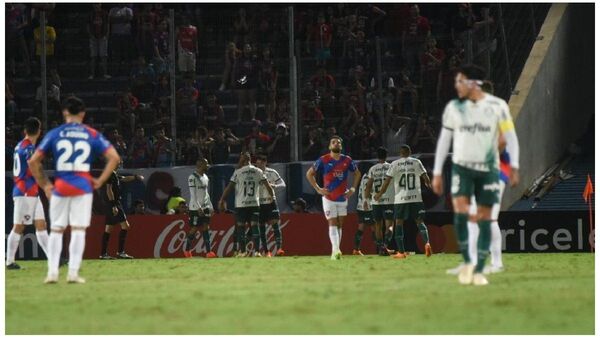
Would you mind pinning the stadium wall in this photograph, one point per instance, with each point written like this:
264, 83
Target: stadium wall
554, 96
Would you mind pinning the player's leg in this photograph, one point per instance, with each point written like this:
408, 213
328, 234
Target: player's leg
332, 221
359, 233
123, 235
342, 211
23, 212
462, 190
189, 240
420, 209
264, 218
41, 230
486, 195
496, 245
105, 240
401, 213
206, 237
59, 218
473, 230
254, 222
275, 221
80, 214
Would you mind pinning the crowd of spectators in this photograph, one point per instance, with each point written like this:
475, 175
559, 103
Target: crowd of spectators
339, 86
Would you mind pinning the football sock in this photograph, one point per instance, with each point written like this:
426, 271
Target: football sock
496, 246
339, 229
388, 237
334, 237
189, 239
255, 237
277, 233
236, 238
76, 248
399, 237
42, 239
242, 239
105, 239
424, 234
473, 236
483, 244
122, 238
462, 235
263, 237
54, 248
357, 238
11, 246
206, 237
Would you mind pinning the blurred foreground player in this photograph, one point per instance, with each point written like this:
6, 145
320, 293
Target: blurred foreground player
115, 214
73, 146
334, 167
28, 208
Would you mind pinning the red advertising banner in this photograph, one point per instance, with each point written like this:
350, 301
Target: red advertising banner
303, 234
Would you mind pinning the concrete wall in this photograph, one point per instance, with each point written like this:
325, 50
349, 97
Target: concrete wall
555, 98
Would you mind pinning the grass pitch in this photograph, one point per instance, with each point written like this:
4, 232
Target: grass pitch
537, 294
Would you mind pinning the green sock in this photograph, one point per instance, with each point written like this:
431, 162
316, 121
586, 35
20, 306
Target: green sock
255, 238
206, 237
483, 243
399, 236
357, 238
263, 236
241, 239
424, 234
462, 235
277, 233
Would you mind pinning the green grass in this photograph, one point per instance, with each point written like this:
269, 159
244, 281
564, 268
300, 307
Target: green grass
538, 294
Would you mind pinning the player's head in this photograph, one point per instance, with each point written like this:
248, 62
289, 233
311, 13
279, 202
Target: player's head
245, 158
73, 106
382, 153
488, 87
468, 80
335, 144
202, 164
405, 150
139, 206
32, 127
261, 161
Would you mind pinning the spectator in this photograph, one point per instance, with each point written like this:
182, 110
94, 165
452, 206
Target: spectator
313, 149
142, 79
462, 22
224, 139
282, 110
241, 28
256, 139
173, 202
312, 116
146, 23
279, 150
213, 116
187, 46
198, 145
161, 48
231, 55
97, 29
139, 208
396, 134
414, 35
299, 206
15, 23
267, 79
163, 149
362, 144
53, 96
245, 76
357, 51
431, 75
140, 148
324, 85
50, 39
407, 97
424, 138
162, 93
120, 18
117, 141
322, 35
127, 105
180, 209
187, 108
9, 101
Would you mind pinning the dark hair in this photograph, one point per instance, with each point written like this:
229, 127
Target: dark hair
336, 137
472, 72
138, 202
32, 126
261, 157
382, 153
488, 87
406, 148
73, 105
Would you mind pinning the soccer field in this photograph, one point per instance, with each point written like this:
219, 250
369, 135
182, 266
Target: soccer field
538, 294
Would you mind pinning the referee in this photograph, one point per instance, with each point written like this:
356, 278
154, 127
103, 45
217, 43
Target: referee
115, 214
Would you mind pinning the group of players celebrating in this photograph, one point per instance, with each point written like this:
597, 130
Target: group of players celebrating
485, 157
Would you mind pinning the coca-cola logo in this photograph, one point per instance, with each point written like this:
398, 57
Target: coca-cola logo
174, 234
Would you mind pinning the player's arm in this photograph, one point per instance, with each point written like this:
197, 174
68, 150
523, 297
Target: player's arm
110, 195
130, 178
368, 189
279, 182
384, 187
193, 197
112, 161
310, 176
35, 165
267, 186
426, 180
226, 192
355, 183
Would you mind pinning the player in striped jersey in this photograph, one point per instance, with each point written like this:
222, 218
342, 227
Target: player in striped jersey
246, 181
74, 146
334, 167
365, 215
269, 211
201, 208
383, 210
28, 208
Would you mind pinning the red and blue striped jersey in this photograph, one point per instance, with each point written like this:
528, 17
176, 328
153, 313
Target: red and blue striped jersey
505, 168
74, 146
25, 184
335, 175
